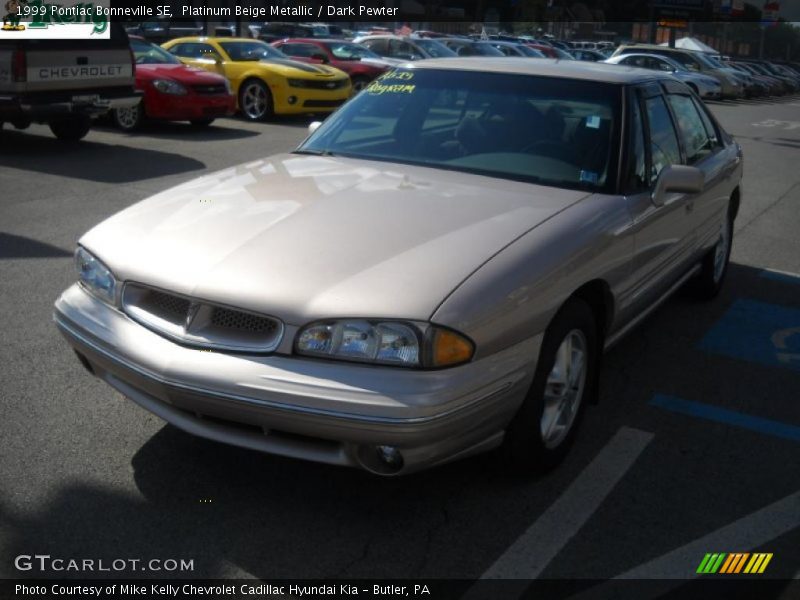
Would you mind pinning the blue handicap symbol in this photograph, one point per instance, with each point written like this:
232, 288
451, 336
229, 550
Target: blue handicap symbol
759, 332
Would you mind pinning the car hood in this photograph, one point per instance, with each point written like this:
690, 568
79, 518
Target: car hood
182, 73
294, 68
305, 237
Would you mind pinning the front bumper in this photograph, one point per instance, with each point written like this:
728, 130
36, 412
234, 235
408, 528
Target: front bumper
188, 107
305, 100
324, 411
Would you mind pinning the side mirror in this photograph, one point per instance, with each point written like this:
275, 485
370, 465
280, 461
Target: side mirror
313, 126
321, 57
678, 178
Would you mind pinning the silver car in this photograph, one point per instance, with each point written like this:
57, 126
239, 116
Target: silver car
705, 86
434, 272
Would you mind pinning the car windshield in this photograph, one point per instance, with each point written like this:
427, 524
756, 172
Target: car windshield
529, 51
485, 49
563, 55
434, 49
150, 54
554, 131
672, 63
348, 51
252, 51
708, 61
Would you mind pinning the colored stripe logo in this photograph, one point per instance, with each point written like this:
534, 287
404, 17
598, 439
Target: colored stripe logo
734, 562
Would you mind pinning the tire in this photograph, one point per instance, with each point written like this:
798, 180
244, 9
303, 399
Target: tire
71, 130
128, 119
255, 100
540, 434
359, 83
201, 123
708, 283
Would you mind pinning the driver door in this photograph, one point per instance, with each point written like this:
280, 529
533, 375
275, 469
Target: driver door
664, 233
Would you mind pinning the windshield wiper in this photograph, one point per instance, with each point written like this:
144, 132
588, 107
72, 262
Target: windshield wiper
315, 152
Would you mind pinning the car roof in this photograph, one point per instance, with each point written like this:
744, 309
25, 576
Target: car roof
568, 69
306, 40
646, 47
211, 38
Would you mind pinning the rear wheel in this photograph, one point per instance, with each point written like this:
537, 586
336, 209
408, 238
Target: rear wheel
708, 282
544, 428
71, 130
255, 100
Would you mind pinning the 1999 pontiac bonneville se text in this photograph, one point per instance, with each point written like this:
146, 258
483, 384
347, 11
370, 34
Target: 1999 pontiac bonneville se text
434, 272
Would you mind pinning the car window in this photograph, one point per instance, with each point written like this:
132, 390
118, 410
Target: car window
637, 179
664, 149
695, 138
304, 50
379, 46
194, 50
146, 53
552, 130
435, 49
659, 64
708, 123
404, 50
349, 51
251, 51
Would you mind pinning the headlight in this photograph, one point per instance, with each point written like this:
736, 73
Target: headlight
384, 342
168, 86
95, 276
298, 83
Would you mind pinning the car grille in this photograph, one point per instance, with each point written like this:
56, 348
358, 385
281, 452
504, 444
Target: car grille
322, 103
200, 323
210, 89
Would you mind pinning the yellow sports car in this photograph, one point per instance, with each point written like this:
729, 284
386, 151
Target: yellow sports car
264, 79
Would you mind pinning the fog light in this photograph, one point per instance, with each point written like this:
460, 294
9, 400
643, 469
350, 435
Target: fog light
390, 456
291, 99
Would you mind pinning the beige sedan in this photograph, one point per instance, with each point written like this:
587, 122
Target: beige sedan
434, 272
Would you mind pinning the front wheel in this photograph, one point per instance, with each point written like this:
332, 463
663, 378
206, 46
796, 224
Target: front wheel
128, 119
359, 83
708, 283
544, 428
255, 100
71, 130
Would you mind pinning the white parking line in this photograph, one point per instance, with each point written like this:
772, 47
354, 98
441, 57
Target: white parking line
532, 552
674, 568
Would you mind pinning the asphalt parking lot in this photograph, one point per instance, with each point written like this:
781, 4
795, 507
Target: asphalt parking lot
694, 447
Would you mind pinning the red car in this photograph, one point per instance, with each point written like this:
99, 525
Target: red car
174, 91
361, 63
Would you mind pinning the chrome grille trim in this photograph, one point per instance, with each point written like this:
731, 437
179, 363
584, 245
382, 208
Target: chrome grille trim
200, 323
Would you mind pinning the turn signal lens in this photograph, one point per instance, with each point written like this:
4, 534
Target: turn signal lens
450, 348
